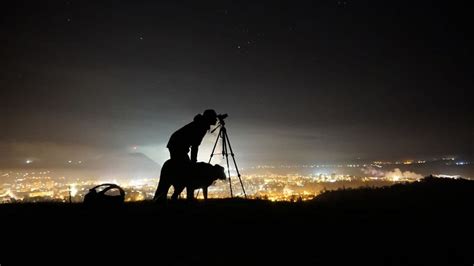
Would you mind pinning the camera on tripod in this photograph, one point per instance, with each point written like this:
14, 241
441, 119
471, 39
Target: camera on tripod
226, 147
221, 118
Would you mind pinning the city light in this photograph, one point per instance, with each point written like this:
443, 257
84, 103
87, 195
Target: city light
73, 190
299, 183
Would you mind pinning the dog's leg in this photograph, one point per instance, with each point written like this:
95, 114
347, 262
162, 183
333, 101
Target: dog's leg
204, 192
189, 193
177, 191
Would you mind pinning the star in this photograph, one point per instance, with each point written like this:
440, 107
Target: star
342, 3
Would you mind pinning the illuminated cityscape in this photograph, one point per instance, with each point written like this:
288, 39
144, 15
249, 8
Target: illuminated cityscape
275, 183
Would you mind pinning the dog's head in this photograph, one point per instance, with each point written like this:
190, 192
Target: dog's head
218, 172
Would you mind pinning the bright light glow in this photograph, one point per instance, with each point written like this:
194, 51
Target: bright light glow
29, 161
73, 190
448, 176
137, 182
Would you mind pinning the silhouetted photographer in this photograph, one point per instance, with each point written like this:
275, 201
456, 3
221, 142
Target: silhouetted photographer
177, 170
190, 137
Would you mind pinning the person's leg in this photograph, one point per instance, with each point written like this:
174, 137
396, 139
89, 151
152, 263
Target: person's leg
181, 162
189, 193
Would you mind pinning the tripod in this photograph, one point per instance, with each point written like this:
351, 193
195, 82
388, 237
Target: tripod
225, 148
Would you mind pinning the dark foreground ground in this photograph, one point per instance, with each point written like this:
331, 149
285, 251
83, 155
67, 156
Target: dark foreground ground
424, 223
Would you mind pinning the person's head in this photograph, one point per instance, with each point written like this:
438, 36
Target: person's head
210, 116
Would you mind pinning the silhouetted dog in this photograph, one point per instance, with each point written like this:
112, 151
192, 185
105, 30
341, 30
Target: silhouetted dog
191, 177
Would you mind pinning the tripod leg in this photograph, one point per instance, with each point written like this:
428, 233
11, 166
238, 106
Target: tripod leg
235, 163
215, 144
224, 152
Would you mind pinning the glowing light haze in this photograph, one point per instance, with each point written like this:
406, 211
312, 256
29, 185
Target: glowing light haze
301, 81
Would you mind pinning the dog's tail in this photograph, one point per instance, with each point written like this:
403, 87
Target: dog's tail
163, 185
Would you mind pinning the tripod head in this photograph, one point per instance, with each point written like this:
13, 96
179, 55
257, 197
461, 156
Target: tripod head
220, 119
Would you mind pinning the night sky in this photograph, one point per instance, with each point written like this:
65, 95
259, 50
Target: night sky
302, 81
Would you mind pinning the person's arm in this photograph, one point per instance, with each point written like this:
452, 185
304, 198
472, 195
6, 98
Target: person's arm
198, 136
194, 153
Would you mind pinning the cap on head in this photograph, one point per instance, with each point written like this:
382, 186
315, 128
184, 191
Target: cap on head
211, 116
210, 113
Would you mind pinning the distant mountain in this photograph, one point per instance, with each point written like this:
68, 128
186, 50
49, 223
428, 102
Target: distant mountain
115, 165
